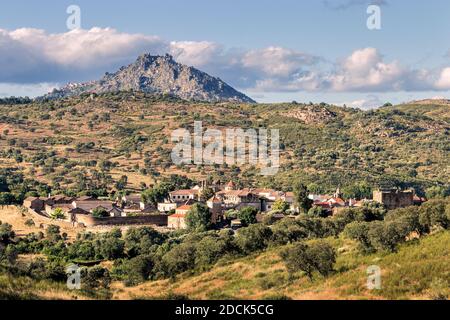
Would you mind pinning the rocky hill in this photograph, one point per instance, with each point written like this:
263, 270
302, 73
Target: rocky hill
162, 75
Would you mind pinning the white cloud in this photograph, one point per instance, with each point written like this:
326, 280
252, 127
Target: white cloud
25, 90
370, 102
444, 79
32, 56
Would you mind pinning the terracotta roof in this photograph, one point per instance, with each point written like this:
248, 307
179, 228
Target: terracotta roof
134, 197
185, 207
184, 192
178, 215
215, 200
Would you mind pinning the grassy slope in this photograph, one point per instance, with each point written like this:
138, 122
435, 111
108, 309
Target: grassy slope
352, 145
406, 274
24, 288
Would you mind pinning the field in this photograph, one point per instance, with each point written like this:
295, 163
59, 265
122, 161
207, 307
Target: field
416, 271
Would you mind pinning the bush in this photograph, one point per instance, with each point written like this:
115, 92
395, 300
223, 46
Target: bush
100, 213
142, 240
317, 211
211, 248
247, 215
6, 233
179, 259
135, 270
433, 213
253, 238
359, 231
53, 233
199, 218
318, 256
112, 248
58, 213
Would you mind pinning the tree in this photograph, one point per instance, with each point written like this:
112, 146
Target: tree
386, 235
210, 249
95, 277
179, 259
122, 183
437, 192
7, 199
141, 240
53, 233
207, 194
317, 211
253, 238
296, 258
199, 217
155, 195
280, 205
432, 213
136, 270
324, 257
319, 256
301, 198
112, 248
247, 215
58, 213
359, 231
100, 213
357, 191
6, 233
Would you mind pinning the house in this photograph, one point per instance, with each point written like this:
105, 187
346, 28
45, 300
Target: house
90, 206
34, 203
184, 195
215, 207
237, 199
177, 221
133, 203
167, 206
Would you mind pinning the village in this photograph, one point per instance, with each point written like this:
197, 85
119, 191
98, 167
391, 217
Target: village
171, 213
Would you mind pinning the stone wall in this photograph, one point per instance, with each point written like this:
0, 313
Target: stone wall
90, 221
394, 199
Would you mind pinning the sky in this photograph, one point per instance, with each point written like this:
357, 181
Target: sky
274, 51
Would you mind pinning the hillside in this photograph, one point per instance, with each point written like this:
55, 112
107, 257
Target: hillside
416, 271
158, 74
406, 274
89, 143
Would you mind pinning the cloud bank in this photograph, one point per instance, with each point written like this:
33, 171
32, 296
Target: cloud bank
32, 56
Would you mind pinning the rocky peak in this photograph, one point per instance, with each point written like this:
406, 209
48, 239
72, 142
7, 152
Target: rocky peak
160, 74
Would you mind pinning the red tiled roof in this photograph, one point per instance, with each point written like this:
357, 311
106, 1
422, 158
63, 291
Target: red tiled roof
178, 215
185, 207
184, 192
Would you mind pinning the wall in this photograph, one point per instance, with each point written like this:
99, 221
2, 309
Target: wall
88, 220
394, 200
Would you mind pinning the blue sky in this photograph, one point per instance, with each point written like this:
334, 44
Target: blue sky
311, 50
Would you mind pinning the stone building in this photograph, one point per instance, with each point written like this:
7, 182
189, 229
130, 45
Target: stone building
393, 199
